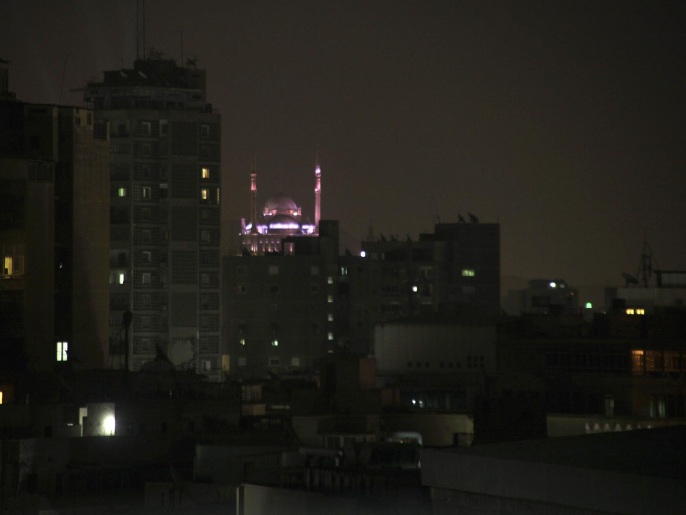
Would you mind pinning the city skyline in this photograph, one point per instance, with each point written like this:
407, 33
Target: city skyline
559, 121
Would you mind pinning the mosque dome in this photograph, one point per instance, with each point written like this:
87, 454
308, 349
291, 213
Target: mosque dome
281, 204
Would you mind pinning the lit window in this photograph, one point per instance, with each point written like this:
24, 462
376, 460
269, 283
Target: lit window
330, 317
589, 305
553, 284
146, 278
468, 272
204, 194
363, 254
7, 267
0, 396
414, 289
329, 280
242, 341
121, 192
275, 343
330, 336
630, 311
122, 277
205, 173
329, 299
218, 195
344, 270
640, 311
62, 351
146, 192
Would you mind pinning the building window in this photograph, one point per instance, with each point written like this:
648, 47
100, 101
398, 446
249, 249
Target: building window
218, 195
204, 173
242, 342
146, 128
330, 317
204, 278
295, 361
205, 131
122, 277
204, 236
329, 280
121, 192
145, 214
343, 270
274, 362
275, 342
147, 257
273, 270
468, 272
7, 267
242, 288
146, 278
62, 351
329, 299
242, 361
146, 150
146, 192
330, 336
146, 235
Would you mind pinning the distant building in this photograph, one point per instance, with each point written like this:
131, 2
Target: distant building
543, 297
281, 307
453, 272
54, 236
668, 292
165, 216
281, 217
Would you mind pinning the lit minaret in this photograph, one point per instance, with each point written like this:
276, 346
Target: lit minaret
253, 199
317, 197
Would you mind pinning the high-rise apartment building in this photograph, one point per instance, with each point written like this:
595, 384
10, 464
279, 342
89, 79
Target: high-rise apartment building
54, 236
165, 215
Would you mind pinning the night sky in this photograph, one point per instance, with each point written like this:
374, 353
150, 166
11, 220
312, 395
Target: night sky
562, 120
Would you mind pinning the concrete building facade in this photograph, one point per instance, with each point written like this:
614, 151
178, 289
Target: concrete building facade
165, 216
54, 233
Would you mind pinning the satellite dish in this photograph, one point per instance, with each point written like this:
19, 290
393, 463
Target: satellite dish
629, 279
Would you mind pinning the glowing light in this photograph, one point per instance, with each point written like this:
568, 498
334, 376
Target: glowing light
414, 289
553, 284
589, 305
468, 272
108, 424
275, 343
630, 311
283, 226
363, 254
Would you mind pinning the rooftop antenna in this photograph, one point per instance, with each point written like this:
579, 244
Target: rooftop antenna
64, 71
140, 29
645, 266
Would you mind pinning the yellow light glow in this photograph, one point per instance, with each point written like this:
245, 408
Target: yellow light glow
108, 424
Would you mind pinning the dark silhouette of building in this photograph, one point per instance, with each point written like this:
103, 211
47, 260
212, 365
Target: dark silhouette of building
54, 236
165, 214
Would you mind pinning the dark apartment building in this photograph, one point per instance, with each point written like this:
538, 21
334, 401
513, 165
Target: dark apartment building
164, 256
453, 272
54, 236
282, 307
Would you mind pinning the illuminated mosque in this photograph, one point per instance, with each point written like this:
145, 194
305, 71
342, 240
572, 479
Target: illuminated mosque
281, 218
